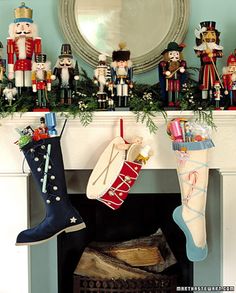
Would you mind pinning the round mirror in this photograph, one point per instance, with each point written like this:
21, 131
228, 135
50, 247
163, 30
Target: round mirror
93, 27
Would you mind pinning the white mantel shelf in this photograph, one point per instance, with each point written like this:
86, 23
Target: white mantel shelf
81, 147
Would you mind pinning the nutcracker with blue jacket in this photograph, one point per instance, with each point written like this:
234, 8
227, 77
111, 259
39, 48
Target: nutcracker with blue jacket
23, 43
229, 81
208, 50
122, 75
2, 66
41, 80
102, 77
67, 72
172, 74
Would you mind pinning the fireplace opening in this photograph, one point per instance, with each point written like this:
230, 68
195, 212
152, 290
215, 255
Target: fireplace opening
140, 216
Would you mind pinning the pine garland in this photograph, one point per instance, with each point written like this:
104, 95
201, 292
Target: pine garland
145, 102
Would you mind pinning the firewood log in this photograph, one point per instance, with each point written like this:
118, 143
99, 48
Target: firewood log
97, 265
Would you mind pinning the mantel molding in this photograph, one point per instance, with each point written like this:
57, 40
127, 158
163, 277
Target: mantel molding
106, 118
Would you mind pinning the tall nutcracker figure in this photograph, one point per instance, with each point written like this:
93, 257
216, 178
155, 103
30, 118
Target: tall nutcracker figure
41, 80
23, 43
172, 73
208, 50
229, 80
2, 66
102, 77
67, 72
122, 75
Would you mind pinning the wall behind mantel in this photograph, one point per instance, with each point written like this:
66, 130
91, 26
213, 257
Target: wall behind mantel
45, 16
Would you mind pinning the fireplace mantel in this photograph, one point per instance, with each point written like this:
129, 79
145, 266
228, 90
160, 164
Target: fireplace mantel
83, 145
81, 148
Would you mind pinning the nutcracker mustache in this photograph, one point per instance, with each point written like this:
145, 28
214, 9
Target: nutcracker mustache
22, 33
66, 64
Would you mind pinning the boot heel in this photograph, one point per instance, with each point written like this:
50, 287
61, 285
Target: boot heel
75, 228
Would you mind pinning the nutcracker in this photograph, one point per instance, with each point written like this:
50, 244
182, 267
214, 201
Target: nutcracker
172, 73
122, 75
41, 80
22, 44
208, 50
229, 80
67, 72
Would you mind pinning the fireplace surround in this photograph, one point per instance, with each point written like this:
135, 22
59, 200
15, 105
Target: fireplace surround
81, 148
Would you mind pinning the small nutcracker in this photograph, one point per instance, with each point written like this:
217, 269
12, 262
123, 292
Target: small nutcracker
67, 72
41, 80
23, 43
172, 74
122, 75
9, 93
102, 79
42, 131
217, 94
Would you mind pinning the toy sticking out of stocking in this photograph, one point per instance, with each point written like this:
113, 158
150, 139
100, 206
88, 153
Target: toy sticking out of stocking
117, 170
191, 142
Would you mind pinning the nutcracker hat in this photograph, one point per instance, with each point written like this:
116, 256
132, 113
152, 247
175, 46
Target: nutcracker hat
66, 51
102, 57
231, 60
172, 46
209, 25
23, 14
41, 58
122, 54
10, 85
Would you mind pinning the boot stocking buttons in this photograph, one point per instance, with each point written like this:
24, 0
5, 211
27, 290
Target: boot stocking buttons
55, 187
58, 198
36, 159
31, 150
49, 167
39, 169
52, 177
43, 147
48, 201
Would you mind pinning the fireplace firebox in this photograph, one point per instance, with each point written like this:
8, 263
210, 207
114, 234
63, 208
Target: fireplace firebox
141, 215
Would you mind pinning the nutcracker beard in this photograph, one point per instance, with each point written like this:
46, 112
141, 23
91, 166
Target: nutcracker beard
40, 73
21, 47
192, 169
22, 77
65, 76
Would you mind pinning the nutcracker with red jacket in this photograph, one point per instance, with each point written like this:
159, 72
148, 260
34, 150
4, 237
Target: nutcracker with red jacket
102, 77
208, 50
121, 75
229, 80
2, 66
172, 73
22, 44
67, 72
41, 80
217, 95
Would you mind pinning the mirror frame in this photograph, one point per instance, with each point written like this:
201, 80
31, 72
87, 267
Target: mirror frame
143, 63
